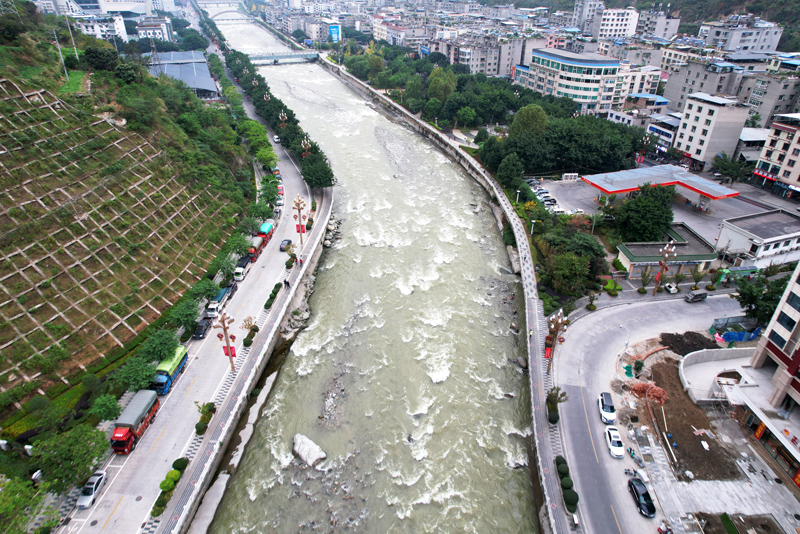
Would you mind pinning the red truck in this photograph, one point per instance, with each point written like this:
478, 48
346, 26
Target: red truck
134, 420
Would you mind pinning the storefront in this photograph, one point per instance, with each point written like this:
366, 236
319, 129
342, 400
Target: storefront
775, 442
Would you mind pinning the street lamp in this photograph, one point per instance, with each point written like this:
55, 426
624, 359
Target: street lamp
557, 325
306, 145
282, 118
300, 204
629, 335
224, 323
666, 252
266, 97
517, 202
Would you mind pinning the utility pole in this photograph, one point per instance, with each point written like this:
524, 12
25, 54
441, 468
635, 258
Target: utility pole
230, 352
61, 56
667, 252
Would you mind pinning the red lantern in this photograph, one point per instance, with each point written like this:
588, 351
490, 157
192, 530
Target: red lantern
233, 338
220, 336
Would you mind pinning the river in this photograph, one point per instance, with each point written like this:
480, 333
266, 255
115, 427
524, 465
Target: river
406, 374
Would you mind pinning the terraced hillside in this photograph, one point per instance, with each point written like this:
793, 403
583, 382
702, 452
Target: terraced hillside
97, 236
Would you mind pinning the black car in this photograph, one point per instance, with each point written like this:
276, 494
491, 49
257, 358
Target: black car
232, 287
202, 328
641, 497
286, 243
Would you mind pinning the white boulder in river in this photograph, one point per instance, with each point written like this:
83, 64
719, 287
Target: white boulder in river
307, 450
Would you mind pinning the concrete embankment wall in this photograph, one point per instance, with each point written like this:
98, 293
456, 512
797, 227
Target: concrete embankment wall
556, 520
701, 395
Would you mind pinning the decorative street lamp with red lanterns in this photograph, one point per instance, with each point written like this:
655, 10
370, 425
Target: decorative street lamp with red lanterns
306, 145
300, 204
227, 349
667, 252
282, 118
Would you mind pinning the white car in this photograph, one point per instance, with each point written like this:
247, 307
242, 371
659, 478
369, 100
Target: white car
670, 288
279, 202
276, 139
614, 441
608, 414
576, 211
91, 489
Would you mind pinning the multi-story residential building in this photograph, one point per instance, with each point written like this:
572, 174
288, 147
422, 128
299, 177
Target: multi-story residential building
634, 54
741, 33
488, 54
665, 128
710, 125
657, 24
639, 79
103, 27
761, 239
714, 77
589, 79
784, 61
561, 18
674, 57
155, 27
751, 143
290, 24
611, 23
48, 7
584, 12
556, 40
749, 61
769, 95
777, 166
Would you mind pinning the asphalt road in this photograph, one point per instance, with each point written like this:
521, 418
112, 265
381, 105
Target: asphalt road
585, 365
125, 503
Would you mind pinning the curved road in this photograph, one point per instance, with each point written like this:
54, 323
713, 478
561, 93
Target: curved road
585, 365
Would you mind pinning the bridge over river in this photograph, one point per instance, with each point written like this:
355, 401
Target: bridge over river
275, 57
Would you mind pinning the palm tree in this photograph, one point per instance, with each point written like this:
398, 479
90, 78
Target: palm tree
697, 275
646, 277
679, 277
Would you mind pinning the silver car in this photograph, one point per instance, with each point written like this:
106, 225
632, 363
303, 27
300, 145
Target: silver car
91, 489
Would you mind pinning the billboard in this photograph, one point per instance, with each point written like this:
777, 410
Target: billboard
424, 50
335, 31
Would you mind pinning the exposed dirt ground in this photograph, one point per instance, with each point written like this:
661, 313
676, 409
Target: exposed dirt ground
759, 523
688, 342
683, 419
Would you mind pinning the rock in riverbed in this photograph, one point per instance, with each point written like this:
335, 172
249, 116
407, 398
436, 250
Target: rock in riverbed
307, 450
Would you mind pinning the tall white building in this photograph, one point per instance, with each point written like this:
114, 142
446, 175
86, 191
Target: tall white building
741, 33
103, 27
612, 23
710, 125
657, 24
585, 11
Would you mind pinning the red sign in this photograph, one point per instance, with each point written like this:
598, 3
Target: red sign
760, 431
225, 350
301, 228
658, 276
796, 478
547, 353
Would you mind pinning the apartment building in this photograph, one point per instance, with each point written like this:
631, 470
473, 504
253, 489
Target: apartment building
561, 18
584, 12
714, 77
634, 54
741, 33
488, 54
657, 24
555, 40
613, 23
639, 79
103, 27
665, 128
589, 79
154, 27
674, 57
769, 94
710, 125
778, 162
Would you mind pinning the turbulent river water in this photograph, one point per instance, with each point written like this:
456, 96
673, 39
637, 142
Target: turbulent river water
405, 375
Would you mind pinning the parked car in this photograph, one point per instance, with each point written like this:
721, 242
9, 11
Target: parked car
555, 210
232, 288
549, 201
576, 211
276, 139
670, 288
608, 414
644, 503
91, 489
716, 174
286, 243
614, 442
531, 182
202, 329
696, 296
540, 192
279, 202
280, 190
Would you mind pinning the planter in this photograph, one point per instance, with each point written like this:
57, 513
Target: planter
642, 291
552, 417
711, 287
591, 307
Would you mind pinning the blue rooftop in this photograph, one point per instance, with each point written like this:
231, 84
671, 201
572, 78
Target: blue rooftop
650, 96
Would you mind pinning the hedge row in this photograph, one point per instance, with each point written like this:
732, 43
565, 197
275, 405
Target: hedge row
271, 299
168, 486
569, 495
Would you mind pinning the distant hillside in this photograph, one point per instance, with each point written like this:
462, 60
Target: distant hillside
102, 228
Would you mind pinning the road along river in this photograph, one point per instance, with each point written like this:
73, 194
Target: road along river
406, 374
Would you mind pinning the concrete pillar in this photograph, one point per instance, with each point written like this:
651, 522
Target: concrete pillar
761, 353
782, 381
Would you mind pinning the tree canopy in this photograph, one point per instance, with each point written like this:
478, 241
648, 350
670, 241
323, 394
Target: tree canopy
67, 459
645, 217
759, 298
136, 374
159, 345
530, 119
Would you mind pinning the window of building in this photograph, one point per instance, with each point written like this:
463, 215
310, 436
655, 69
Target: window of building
705, 132
698, 152
785, 146
786, 243
699, 109
786, 174
708, 122
696, 119
679, 144
787, 322
768, 154
680, 136
702, 142
711, 111
790, 163
694, 128
691, 138
688, 106
777, 339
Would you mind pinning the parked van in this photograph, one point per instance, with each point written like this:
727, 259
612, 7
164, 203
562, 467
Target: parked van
696, 296
559, 211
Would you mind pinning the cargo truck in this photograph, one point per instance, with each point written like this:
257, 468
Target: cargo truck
167, 371
134, 420
242, 268
256, 246
266, 230
215, 306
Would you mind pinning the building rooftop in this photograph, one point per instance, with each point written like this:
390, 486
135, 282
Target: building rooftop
573, 57
189, 67
754, 134
718, 100
747, 56
767, 224
650, 96
689, 247
630, 180
666, 119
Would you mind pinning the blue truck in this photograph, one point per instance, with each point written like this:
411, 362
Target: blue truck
167, 371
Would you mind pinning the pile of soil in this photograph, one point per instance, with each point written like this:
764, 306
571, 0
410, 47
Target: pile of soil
683, 344
683, 418
763, 524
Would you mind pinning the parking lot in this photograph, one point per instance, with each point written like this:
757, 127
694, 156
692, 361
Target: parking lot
580, 195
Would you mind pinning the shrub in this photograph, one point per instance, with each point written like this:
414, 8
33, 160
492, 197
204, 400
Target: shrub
553, 417
730, 528
638, 365
711, 287
613, 293
186, 335
90, 382
659, 289
254, 328
247, 342
36, 404
570, 496
166, 485
618, 265
563, 470
200, 429
566, 483
289, 263
642, 291
571, 508
161, 502
276, 288
180, 464
560, 460
591, 307
157, 511
174, 475
268, 304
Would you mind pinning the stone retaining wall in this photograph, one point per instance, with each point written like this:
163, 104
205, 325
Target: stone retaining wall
703, 356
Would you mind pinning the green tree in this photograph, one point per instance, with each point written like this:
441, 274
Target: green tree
67, 459
204, 289
19, 502
753, 121
529, 119
237, 245
510, 170
569, 272
432, 108
159, 345
648, 215
481, 136
136, 374
441, 84
127, 72
697, 274
260, 211
376, 65
491, 153
299, 36
759, 298
738, 170
266, 156
316, 171
413, 88
100, 58
105, 407
185, 314
586, 245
